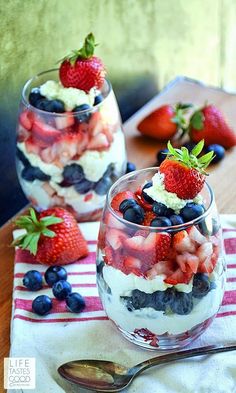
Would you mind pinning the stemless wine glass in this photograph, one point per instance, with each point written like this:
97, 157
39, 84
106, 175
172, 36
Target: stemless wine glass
160, 303
69, 159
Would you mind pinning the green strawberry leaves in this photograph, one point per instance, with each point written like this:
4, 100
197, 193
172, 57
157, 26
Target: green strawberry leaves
85, 52
190, 159
34, 229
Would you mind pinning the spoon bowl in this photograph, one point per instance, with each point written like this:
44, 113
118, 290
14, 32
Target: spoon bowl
106, 376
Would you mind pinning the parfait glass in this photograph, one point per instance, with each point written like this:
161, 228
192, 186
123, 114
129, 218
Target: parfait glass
160, 303
69, 159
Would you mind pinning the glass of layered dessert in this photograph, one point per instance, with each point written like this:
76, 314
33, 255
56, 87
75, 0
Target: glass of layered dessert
70, 144
160, 261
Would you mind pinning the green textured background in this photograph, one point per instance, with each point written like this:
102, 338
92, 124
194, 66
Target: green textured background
142, 42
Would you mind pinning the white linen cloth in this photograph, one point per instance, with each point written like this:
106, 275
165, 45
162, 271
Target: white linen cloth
62, 336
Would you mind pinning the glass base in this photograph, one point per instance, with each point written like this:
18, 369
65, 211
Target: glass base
165, 342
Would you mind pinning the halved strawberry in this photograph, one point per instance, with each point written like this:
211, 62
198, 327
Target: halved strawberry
195, 235
98, 142
179, 277
162, 267
115, 238
64, 121
26, 119
182, 242
43, 134
118, 198
133, 265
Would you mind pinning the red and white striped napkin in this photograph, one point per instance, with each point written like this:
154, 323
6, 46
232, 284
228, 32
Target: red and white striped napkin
62, 336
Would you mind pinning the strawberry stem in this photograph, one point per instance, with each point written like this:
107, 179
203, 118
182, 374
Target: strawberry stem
85, 52
34, 229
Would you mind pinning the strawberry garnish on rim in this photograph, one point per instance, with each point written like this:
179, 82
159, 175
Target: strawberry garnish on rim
52, 236
81, 69
184, 172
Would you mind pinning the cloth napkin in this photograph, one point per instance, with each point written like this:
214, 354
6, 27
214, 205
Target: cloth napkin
63, 336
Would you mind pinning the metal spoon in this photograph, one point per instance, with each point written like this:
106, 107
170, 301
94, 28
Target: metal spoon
105, 376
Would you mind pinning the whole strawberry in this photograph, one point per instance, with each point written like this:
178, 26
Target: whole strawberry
184, 173
81, 69
209, 124
53, 236
164, 121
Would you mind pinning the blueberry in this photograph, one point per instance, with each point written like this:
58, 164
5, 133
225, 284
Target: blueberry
161, 155
137, 300
103, 185
72, 174
98, 99
55, 106
191, 211
35, 96
33, 280
160, 300
134, 214
126, 204
30, 173
82, 117
42, 104
159, 208
22, 157
145, 195
84, 186
176, 219
42, 304
61, 289
130, 167
201, 285
54, 274
182, 303
75, 302
209, 227
160, 222
190, 145
218, 150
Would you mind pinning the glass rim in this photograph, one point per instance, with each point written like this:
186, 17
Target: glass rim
171, 228
26, 102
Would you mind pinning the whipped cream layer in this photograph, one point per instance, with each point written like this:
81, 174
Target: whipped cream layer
156, 321
159, 194
69, 95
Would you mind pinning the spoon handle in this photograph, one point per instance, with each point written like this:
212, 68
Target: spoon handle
171, 357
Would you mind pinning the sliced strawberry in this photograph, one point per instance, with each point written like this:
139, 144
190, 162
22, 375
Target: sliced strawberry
147, 206
43, 134
115, 238
179, 277
109, 134
22, 134
26, 119
187, 260
133, 265
204, 251
182, 242
95, 123
64, 120
113, 222
208, 265
32, 147
98, 142
162, 267
195, 235
120, 197
108, 257
163, 240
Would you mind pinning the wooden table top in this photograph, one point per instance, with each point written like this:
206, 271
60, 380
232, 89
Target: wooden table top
142, 152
